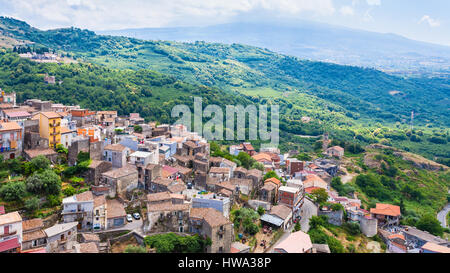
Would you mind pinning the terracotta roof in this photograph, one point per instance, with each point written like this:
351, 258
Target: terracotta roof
281, 211
241, 181
9, 126
386, 209
16, 114
65, 130
297, 242
273, 180
262, 157
168, 171
219, 170
211, 216
436, 248
248, 146
89, 248
115, 147
179, 187
226, 192
255, 172
85, 196
160, 196
313, 180
167, 206
38, 152
114, 209
51, 115
124, 171
99, 201
269, 187
32, 224
10, 218
183, 170
163, 181
29, 236
215, 159
2, 210
240, 169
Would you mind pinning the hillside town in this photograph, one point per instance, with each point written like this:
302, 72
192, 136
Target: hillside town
132, 179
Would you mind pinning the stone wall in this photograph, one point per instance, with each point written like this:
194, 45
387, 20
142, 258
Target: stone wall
334, 217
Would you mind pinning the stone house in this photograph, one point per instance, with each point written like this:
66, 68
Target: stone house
386, 214
335, 151
33, 234
256, 176
48, 153
61, 237
245, 186
94, 173
240, 172
79, 208
223, 174
116, 154
115, 215
121, 180
167, 216
210, 223
148, 173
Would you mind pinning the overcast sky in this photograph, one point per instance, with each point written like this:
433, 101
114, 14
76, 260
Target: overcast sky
417, 19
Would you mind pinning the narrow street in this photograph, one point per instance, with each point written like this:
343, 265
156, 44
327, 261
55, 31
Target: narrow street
309, 209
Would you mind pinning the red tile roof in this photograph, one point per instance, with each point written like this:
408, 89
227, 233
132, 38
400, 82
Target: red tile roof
386, 209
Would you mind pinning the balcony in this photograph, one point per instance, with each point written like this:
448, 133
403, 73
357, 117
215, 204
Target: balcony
55, 124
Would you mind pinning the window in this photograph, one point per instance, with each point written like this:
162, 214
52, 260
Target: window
220, 249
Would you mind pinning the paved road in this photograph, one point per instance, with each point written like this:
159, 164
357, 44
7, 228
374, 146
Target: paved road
442, 215
309, 209
136, 226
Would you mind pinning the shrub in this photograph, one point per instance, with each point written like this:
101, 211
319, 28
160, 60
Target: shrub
135, 249
13, 191
32, 204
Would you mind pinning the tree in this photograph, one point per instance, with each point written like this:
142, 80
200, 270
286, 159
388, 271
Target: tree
320, 195
429, 223
270, 174
40, 163
135, 249
47, 182
137, 129
258, 166
61, 149
261, 210
13, 191
32, 204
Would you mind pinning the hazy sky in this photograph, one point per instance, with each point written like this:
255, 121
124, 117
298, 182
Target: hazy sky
425, 20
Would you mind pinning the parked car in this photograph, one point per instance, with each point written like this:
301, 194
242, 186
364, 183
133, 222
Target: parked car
136, 216
129, 218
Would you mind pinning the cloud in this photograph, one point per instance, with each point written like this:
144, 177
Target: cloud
113, 14
374, 2
347, 10
430, 21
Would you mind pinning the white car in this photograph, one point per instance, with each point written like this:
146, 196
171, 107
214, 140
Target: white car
129, 218
136, 216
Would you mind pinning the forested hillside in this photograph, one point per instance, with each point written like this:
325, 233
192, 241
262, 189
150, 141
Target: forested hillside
354, 104
100, 88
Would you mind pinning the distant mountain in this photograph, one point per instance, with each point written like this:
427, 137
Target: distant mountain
315, 41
